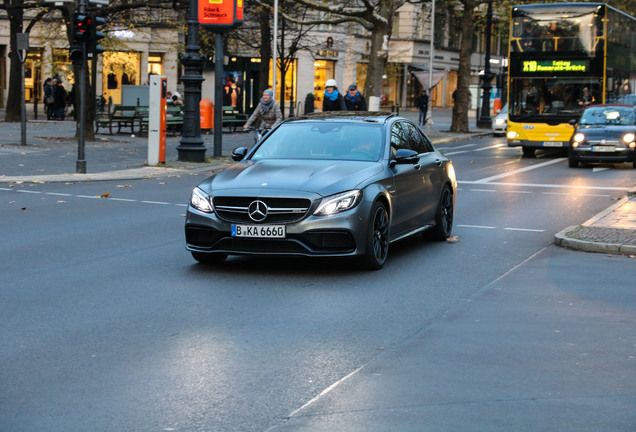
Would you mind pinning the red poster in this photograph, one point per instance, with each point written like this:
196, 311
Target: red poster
217, 12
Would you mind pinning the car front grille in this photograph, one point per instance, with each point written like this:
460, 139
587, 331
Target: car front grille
279, 210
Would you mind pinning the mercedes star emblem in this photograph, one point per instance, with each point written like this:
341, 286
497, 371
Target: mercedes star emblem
257, 211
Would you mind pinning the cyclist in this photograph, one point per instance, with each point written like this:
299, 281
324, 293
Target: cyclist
267, 113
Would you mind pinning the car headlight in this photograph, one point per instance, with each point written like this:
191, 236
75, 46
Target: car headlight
629, 137
512, 135
338, 203
201, 201
499, 121
579, 137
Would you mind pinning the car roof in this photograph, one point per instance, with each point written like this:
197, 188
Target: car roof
378, 117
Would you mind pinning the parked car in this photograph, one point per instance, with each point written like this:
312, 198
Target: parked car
500, 122
328, 184
604, 133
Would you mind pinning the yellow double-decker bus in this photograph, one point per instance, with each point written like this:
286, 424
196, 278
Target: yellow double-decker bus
562, 58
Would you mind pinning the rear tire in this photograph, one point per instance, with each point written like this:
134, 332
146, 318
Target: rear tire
443, 216
209, 258
377, 248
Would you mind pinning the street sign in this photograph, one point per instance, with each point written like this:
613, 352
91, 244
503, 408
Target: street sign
220, 15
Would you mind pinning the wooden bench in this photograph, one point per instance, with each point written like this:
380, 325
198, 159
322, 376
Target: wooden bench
174, 118
122, 116
233, 119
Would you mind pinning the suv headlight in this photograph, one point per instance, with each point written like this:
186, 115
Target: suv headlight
201, 201
629, 137
579, 137
338, 203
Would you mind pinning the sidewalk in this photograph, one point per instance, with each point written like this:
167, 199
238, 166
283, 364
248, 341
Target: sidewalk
52, 149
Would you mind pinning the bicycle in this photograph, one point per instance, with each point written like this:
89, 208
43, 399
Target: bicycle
258, 133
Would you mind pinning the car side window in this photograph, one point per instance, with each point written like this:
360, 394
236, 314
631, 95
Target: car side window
426, 144
399, 137
417, 140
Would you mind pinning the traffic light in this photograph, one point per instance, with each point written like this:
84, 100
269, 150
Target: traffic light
95, 36
81, 35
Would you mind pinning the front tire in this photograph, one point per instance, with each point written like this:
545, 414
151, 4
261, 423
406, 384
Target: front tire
444, 216
573, 163
528, 152
377, 248
209, 258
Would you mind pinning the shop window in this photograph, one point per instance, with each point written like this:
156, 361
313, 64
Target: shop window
290, 80
155, 64
323, 70
119, 69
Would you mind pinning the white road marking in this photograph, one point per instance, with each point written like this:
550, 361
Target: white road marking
520, 170
538, 185
455, 153
477, 226
524, 229
489, 147
155, 202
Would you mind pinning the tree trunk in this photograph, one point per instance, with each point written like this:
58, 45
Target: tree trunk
379, 45
13, 112
462, 96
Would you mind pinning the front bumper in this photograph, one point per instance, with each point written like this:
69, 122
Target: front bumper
585, 154
343, 234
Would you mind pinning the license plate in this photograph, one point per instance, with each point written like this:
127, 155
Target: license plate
552, 144
258, 231
603, 148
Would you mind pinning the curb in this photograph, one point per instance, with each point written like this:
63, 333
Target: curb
566, 240
562, 239
130, 174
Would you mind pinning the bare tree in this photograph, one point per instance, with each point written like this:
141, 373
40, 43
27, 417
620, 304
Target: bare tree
375, 16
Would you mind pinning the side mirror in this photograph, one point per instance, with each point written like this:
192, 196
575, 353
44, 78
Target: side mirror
406, 156
239, 153
573, 122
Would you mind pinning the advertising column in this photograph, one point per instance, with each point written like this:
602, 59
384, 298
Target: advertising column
157, 110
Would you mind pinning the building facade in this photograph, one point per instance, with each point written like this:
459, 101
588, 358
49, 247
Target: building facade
329, 51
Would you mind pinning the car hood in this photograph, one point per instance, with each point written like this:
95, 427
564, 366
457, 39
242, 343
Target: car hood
605, 131
316, 176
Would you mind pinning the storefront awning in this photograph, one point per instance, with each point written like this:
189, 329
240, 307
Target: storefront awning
423, 77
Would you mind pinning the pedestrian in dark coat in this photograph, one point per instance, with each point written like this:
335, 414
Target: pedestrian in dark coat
59, 99
422, 104
333, 100
48, 98
354, 99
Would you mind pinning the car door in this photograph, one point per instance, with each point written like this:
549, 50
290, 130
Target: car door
432, 164
409, 179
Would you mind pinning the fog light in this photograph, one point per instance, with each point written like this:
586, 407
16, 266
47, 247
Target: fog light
575, 144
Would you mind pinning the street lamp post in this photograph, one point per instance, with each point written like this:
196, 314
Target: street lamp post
191, 148
484, 120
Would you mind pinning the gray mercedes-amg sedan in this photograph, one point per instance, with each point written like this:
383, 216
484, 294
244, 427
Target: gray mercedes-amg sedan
328, 184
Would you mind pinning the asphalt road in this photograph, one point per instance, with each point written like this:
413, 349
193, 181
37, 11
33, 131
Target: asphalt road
109, 324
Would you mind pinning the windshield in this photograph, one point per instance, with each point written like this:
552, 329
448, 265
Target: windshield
322, 140
552, 97
608, 116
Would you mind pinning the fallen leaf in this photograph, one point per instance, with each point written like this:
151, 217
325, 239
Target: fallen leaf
61, 202
123, 186
453, 239
23, 208
105, 195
